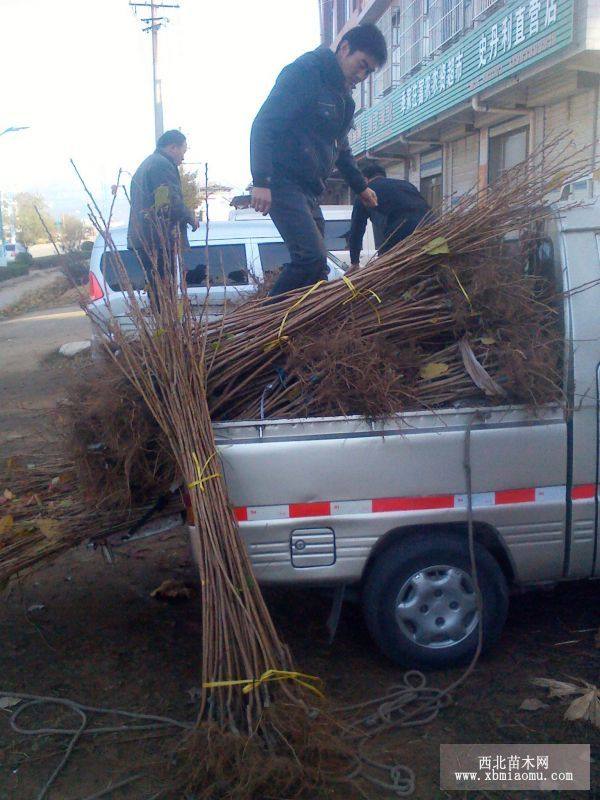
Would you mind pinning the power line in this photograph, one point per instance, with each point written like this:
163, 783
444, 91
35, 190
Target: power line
153, 24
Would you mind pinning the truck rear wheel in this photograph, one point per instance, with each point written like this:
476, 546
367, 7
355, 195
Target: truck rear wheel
420, 605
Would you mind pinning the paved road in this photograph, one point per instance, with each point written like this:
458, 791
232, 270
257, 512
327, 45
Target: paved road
29, 388
25, 340
12, 290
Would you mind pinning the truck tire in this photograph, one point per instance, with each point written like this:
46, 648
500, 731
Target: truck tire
420, 605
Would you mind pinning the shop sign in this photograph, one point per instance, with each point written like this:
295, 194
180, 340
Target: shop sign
514, 38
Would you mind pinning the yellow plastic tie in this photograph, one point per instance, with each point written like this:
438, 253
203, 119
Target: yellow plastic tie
356, 293
280, 336
202, 478
270, 675
462, 288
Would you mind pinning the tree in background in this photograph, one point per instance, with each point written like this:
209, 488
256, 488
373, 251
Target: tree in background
29, 228
192, 195
72, 233
194, 192
5, 218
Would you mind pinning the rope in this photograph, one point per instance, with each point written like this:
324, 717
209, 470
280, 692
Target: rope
412, 702
152, 722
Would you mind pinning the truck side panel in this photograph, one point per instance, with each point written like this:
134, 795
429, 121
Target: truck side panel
582, 252
360, 486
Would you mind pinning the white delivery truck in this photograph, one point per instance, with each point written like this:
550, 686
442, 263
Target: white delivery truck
382, 507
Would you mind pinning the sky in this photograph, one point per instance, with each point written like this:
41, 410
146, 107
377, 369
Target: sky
79, 73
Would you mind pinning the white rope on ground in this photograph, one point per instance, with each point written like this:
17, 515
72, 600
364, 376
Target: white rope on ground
150, 722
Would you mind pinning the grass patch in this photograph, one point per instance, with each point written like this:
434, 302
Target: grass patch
54, 359
6, 273
60, 292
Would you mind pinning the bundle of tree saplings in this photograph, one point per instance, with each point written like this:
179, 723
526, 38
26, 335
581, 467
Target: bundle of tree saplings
257, 733
44, 511
465, 307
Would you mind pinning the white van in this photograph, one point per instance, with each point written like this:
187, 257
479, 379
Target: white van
240, 254
337, 227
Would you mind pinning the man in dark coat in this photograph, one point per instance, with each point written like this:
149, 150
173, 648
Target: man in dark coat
299, 135
158, 217
400, 208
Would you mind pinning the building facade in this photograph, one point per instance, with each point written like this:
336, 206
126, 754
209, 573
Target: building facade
471, 87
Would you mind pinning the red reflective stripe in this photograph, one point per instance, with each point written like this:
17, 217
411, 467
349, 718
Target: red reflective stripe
515, 496
583, 492
310, 510
241, 514
413, 503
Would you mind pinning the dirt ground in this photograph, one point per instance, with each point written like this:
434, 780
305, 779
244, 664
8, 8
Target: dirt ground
88, 630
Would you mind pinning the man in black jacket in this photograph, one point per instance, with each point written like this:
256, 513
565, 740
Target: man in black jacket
298, 136
158, 217
400, 208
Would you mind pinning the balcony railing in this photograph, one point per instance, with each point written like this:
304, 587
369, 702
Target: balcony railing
407, 37
481, 6
446, 19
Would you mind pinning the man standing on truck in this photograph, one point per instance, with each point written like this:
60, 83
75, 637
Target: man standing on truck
400, 208
158, 217
298, 136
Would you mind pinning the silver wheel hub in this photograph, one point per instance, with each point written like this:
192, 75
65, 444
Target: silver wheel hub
437, 606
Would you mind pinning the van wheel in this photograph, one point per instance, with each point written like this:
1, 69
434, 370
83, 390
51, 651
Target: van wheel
420, 605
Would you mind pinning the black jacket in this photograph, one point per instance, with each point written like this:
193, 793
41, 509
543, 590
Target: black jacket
157, 204
398, 202
301, 131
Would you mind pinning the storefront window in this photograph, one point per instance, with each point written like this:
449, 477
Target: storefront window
431, 189
431, 178
506, 151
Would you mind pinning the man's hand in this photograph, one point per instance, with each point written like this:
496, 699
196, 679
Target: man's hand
261, 200
369, 198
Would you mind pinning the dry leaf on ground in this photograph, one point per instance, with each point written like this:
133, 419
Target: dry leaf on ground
6, 524
584, 707
532, 704
9, 702
50, 528
172, 590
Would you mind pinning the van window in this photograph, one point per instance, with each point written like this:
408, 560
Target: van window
273, 255
227, 265
111, 264
336, 231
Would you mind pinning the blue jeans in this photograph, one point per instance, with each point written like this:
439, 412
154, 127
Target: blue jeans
299, 219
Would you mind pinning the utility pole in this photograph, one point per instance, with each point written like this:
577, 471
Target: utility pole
153, 24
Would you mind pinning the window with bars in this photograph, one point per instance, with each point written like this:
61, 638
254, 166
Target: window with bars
407, 50
326, 21
446, 19
481, 6
383, 77
341, 14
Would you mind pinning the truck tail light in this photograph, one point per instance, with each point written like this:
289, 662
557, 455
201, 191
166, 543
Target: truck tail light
96, 292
